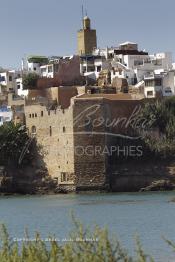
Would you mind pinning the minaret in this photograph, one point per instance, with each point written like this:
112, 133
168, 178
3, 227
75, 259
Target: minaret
87, 39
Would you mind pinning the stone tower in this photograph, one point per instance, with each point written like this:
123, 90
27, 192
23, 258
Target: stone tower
87, 39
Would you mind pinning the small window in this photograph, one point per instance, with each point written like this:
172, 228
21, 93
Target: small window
98, 68
50, 69
34, 68
56, 179
10, 78
42, 113
35, 115
63, 177
30, 115
33, 130
158, 82
2, 78
64, 129
150, 93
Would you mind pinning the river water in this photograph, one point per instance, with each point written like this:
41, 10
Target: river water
149, 215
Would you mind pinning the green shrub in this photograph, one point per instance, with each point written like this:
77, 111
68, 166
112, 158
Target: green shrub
15, 144
30, 81
160, 117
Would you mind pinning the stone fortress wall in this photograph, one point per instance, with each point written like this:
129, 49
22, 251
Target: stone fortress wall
98, 120
53, 130
77, 141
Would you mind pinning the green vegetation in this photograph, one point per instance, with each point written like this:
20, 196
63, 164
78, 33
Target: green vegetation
83, 246
159, 132
30, 81
15, 145
38, 59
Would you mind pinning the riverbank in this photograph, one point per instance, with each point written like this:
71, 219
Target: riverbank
131, 176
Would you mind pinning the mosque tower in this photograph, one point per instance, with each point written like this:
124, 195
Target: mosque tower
87, 39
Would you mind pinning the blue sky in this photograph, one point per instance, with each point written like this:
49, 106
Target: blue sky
49, 27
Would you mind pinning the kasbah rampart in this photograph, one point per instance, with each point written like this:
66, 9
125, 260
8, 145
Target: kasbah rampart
85, 126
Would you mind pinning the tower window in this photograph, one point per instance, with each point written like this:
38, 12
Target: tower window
63, 177
33, 130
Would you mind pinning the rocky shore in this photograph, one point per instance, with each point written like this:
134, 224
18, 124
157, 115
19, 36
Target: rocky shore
160, 185
130, 177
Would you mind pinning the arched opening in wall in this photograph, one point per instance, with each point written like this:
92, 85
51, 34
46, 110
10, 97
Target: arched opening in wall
64, 129
33, 130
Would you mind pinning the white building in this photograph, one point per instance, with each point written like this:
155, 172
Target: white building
8, 80
19, 88
92, 65
49, 70
153, 72
11, 82
35, 62
160, 84
6, 115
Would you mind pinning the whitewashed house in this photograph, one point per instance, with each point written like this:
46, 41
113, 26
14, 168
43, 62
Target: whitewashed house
35, 62
8, 80
92, 65
6, 115
153, 73
19, 91
159, 84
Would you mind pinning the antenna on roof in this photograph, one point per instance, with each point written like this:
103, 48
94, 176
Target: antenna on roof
86, 12
83, 15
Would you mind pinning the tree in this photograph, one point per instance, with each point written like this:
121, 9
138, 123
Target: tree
15, 145
30, 81
162, 120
